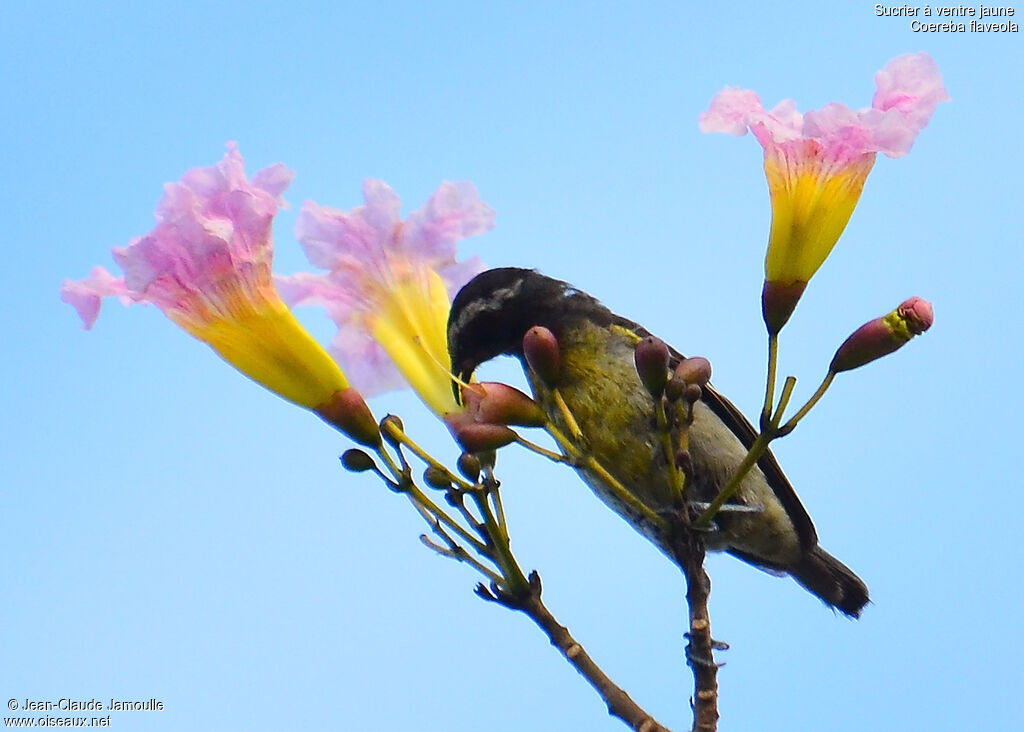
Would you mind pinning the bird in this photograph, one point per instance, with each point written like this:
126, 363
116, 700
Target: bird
763, 524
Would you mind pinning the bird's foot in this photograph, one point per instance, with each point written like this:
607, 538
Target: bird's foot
693, 658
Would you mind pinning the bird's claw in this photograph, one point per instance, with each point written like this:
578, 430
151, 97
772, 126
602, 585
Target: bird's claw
698, 659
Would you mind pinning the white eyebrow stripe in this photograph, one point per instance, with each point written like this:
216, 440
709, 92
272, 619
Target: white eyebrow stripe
496, 301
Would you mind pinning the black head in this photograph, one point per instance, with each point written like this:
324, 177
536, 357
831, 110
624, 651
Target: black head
492, 313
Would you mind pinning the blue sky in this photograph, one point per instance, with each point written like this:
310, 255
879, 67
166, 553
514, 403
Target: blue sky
172, 531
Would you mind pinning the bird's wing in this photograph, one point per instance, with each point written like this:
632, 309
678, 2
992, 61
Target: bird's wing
744, 430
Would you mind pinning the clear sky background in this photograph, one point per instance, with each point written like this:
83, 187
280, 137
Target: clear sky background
172, 531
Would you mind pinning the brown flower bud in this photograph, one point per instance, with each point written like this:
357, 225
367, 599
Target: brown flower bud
694, 370
778, 302
469, 465
357, 461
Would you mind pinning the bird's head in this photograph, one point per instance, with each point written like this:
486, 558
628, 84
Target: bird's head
492, 313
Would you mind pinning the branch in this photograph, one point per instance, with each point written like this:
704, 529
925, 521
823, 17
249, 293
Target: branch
689, 550
619, 703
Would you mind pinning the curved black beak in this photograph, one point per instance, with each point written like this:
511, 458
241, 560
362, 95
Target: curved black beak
463, 375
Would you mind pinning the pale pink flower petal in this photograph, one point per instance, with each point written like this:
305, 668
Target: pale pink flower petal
365, 362
383, 209
213, 229
908, 90
332, 238
730, 110
212, 241
816, 165
456, 274
87, 295
307, 288
453, 212
912, 85
207, 266
274, 179
386, 283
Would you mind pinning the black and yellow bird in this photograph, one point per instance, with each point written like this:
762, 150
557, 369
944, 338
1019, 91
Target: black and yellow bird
766, 525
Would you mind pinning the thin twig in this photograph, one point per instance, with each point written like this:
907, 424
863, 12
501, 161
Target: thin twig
459, 554
619, 703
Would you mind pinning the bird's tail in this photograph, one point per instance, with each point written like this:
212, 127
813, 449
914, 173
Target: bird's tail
832, 581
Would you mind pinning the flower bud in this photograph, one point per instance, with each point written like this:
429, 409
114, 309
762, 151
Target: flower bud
488, 458
469, 465
651, 358
542, 354
684, 462
391, 427
884, 335
347, 412
917, 313
491, 402
436, 478
778, 302
689, 376
357, 461
694, 370
477, 437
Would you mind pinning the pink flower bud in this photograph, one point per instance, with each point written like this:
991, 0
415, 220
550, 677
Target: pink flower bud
917, 314
542, 354
477, 437
651, 358
490, 402
347, 412
884, 335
